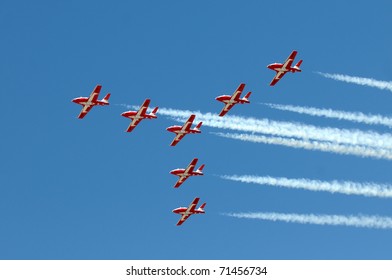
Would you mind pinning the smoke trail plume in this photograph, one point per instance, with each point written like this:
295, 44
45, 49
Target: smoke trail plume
329, 113
358, 80
344, 187
376, 222
286, 129
343, 149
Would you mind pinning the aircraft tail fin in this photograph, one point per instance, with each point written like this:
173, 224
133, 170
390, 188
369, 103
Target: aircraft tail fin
154, 111
198, 125
246, 97
201, 208
296, 67
106, 98
200, 169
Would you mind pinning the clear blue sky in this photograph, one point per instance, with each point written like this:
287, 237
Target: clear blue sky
85, 189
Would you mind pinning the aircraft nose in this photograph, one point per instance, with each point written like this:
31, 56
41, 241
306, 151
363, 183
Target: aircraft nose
126, 114
219, 98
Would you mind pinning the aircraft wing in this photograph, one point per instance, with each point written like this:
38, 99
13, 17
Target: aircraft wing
191, 166
237, 93
180, 181
183, 218
226, 109
192, 206
177, 139
94, 95
188, 123
289, 60
277, 77
85, 110
144, 107
133, 124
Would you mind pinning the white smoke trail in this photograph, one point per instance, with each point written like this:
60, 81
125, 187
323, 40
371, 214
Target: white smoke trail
329, 113
334, 220
286, 129
344, 187
358, 80
343, 149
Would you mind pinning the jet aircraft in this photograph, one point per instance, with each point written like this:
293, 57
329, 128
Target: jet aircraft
186, 212
187, 172
139, 115
181, 131
90, 102
230, 101
282, 69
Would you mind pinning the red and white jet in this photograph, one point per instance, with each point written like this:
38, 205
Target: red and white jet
139, 115
187, 172
181, 131
90, 102
282, 69
186, 212
230, 101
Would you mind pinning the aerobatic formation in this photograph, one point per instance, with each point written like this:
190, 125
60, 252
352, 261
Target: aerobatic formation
180, 131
